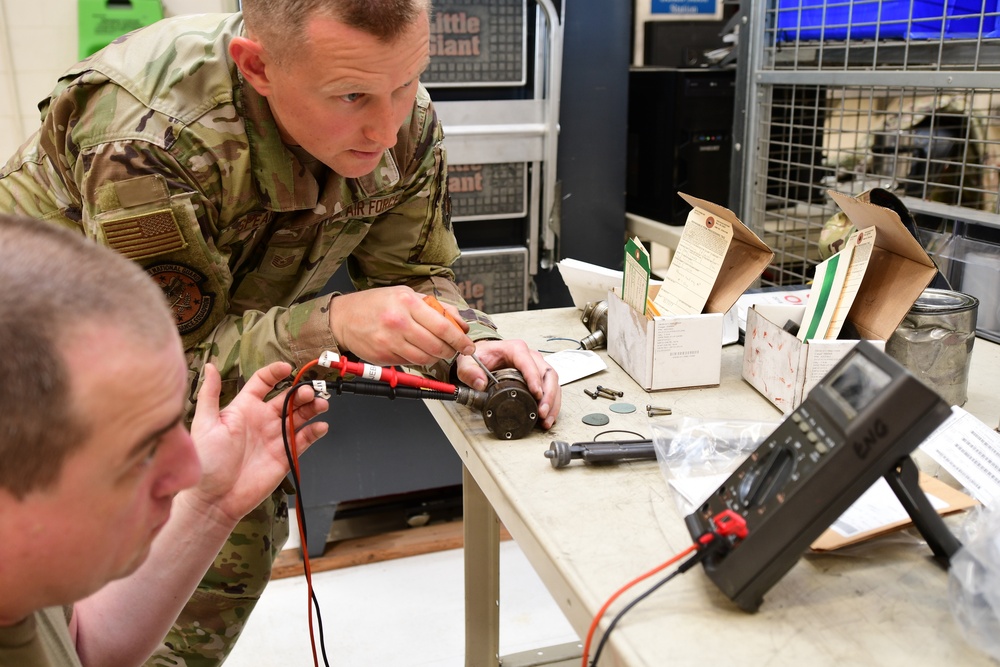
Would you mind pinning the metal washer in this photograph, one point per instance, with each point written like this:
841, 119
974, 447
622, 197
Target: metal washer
596, 419
622, 408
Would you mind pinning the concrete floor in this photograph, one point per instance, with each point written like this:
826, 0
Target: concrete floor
407, 612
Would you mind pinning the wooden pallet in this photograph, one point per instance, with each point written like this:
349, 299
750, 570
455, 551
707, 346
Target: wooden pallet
376, 548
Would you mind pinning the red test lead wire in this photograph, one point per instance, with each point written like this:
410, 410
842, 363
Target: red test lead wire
380, 373
604, 608
299, 519
728, 524
368, 371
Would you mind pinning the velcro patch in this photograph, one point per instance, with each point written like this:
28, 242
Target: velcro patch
146, 235
382, 178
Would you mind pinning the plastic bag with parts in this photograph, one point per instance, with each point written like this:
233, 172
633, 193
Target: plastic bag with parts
974, 582
697, 455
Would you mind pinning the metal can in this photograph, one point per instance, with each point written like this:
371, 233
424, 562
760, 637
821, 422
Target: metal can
934, 341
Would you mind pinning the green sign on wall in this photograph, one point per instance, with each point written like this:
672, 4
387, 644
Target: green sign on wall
102, 21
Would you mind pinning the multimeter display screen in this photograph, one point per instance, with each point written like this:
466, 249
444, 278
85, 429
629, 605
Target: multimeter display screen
857, 384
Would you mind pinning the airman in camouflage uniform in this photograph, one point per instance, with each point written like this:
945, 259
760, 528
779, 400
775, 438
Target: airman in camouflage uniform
157, 147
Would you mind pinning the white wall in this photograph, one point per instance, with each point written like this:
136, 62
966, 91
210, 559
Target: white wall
38, 41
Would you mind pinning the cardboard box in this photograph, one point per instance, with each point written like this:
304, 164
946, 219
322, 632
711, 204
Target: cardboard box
686, 351
783, 368
779, 365
665, 352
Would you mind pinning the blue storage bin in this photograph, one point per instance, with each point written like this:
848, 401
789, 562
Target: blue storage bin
803, 20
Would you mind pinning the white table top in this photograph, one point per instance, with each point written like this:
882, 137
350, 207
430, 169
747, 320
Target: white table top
588, 530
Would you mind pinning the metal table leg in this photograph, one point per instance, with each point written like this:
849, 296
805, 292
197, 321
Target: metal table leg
482, 576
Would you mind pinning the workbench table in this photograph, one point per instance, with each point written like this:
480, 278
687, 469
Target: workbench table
587, 530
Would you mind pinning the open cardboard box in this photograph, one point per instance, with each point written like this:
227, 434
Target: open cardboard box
686, 351
783, 368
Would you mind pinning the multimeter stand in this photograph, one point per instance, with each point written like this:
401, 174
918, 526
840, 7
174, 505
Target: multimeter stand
904, 481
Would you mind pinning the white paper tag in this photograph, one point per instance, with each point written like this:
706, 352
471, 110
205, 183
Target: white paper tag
575, 364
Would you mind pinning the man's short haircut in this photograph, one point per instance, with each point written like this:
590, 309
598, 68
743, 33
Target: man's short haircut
280, 25
52, 282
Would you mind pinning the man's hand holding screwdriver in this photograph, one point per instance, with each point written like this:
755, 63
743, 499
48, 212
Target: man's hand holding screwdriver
436, 305
392, 326
543, 382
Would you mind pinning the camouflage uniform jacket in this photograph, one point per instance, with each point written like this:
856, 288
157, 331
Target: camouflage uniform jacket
156, 147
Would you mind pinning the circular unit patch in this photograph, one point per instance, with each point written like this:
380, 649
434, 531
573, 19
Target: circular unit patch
182, 287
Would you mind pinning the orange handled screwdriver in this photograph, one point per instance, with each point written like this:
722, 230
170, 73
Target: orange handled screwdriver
436, 305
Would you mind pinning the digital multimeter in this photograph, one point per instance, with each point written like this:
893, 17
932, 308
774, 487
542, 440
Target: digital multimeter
859, 423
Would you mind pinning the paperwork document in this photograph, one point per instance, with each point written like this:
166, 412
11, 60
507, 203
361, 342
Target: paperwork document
969, 450
695, 267
862, 242
571, 365
878, 512
635, 282
835, 286
784, 297
589, 282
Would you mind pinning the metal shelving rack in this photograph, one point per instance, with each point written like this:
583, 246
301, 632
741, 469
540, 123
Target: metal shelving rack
876, 94
500, 130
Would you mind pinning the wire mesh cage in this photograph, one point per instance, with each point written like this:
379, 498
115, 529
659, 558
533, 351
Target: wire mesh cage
854, 95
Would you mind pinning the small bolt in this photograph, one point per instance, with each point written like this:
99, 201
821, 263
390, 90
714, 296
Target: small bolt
653, 411
609, 392
592, 394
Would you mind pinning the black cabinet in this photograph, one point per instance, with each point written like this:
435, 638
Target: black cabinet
679, 139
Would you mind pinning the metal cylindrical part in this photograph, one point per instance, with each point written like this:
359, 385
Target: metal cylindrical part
599, 452
510, 411
470, 397
560, 453
934, 342
594, 341
595, 316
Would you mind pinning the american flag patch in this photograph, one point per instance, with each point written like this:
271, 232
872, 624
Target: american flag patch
146, 235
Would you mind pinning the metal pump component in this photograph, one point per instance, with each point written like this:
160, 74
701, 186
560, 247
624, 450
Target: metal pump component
471, 398
508, 408
595, 316
561, 453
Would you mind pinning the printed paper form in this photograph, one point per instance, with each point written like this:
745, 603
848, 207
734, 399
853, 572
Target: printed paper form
791, 297
862, 241
572, 365
635, 281
696, 264
877, 507
824, 294
878, 511
969, 450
